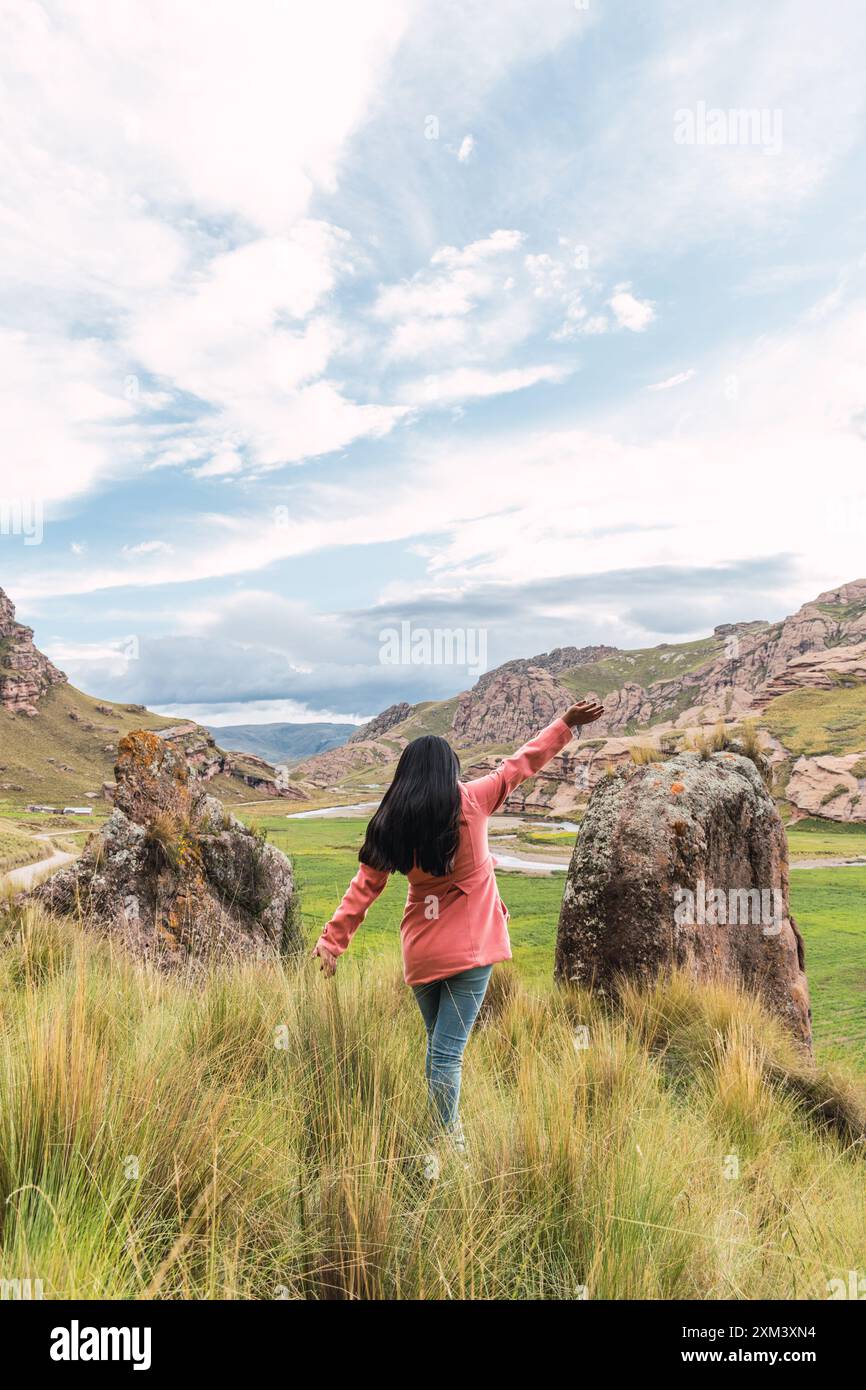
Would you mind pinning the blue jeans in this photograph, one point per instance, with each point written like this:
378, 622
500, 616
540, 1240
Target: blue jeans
449, 1008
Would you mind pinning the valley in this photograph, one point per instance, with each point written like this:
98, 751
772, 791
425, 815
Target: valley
798, 686
827, 902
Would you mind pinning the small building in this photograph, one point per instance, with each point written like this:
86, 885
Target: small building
78, 810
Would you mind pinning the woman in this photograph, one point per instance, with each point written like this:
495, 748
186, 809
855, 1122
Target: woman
432, 827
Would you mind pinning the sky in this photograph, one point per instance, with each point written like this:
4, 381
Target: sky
538, 324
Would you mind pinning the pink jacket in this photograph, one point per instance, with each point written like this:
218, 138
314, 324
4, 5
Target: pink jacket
452, 923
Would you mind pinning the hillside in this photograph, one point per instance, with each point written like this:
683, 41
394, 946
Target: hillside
58, 746
282, 743
801, 681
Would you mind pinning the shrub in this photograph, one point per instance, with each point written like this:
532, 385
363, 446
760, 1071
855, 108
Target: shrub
642, 753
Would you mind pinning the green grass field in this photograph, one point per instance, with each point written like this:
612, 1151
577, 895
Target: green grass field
18, 847
829, 905
820, 839
830, 908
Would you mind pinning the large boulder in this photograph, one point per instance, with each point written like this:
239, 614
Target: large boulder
175, 875
684, 863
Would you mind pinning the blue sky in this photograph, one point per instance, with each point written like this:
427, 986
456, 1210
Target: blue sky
546, 321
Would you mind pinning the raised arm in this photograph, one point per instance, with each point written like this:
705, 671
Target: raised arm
361, 892
490, 791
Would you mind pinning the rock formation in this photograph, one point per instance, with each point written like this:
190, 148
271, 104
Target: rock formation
829, 786
684, 863
206, 760
824, 669
375, 728
25, 674
509, 707
172, 873
506, 704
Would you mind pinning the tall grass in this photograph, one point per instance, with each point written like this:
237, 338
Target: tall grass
261, 1135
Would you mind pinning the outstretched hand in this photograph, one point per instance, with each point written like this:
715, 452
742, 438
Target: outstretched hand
584, 712
327, 958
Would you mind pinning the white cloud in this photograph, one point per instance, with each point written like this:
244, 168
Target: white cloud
148, 548
462, 312
257, 712
467, 382
261, 375
630, 312
223, 463
67, 424
460, 278
548, 275
467, 145
671, 381
158, 167
238, 119
799, 396
478, 252
138, 144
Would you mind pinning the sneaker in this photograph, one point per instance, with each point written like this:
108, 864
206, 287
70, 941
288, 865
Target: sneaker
457, 1140
431, 1166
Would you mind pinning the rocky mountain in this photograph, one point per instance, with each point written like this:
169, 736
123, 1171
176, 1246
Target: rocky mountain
58, 745
507, 704
388, 719
25, 674
803, 680
559, 660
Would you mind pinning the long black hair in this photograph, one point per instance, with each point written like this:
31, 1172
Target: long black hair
417, 822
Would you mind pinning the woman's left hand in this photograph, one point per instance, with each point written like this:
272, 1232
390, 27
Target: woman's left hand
584, 712
328, 959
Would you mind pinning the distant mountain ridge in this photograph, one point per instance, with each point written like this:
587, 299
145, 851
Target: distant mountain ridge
802, 680
282, 743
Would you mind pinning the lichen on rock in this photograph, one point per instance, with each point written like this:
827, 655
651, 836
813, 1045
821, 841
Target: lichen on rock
173, 873
684, 864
